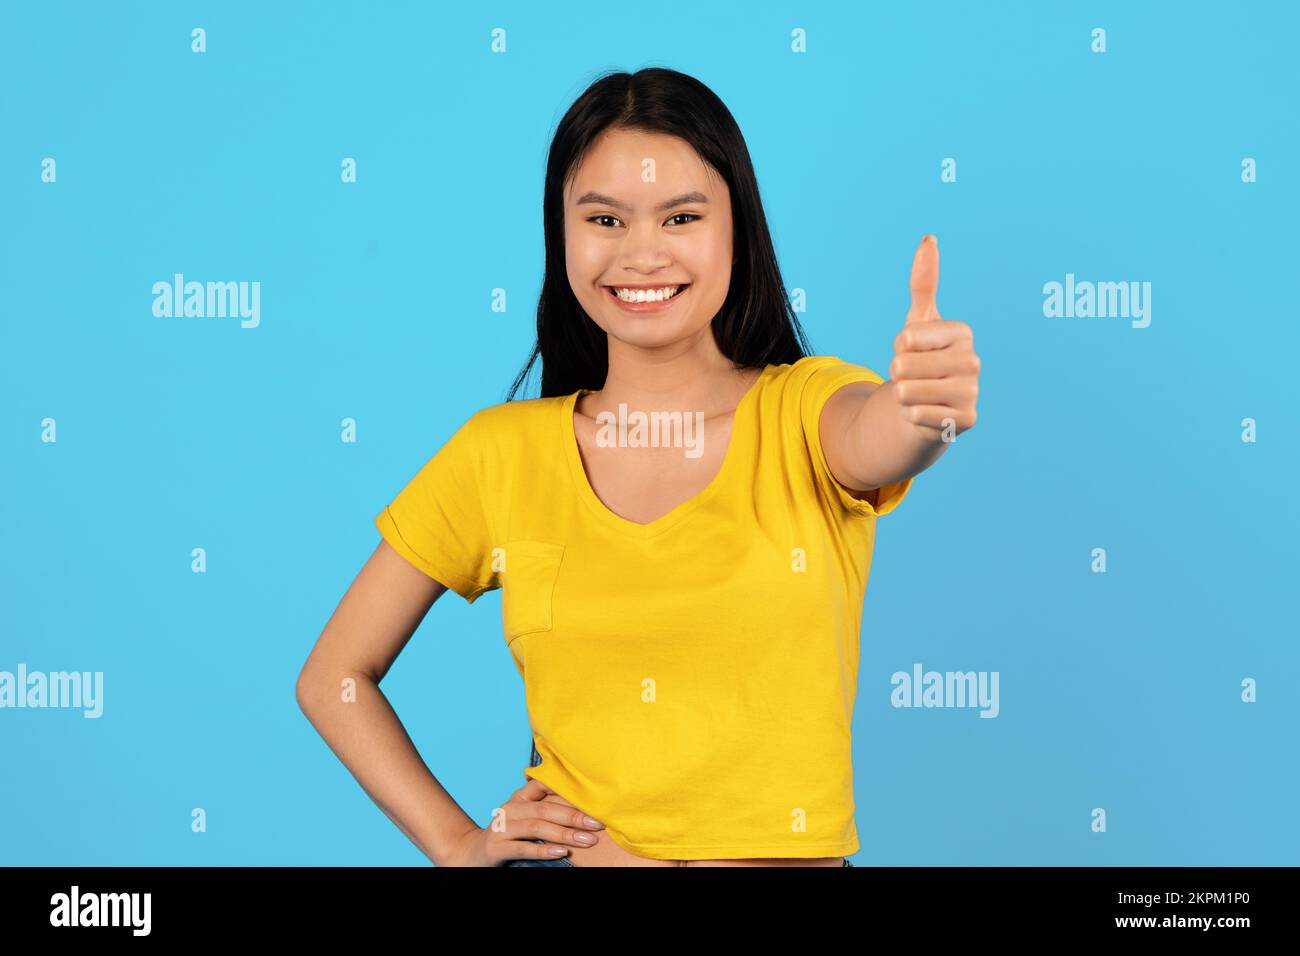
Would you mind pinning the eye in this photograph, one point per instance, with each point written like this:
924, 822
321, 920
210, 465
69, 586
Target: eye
690, 216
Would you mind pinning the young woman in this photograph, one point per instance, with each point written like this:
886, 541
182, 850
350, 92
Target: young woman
682, 524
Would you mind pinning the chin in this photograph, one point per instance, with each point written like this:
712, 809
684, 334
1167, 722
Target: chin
649, 336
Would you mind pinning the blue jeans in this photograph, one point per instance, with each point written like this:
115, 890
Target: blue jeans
533, 760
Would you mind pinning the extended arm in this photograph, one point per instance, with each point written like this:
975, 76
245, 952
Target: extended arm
875, 435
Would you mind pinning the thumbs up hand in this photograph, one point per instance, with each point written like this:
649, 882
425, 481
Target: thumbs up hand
935, 370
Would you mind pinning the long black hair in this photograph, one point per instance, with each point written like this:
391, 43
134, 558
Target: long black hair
756, 325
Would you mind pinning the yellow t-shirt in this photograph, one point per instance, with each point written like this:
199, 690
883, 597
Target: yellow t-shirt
690, 682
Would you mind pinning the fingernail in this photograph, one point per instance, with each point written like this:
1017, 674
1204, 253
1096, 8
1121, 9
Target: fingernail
592, 823
559, 851
584, 837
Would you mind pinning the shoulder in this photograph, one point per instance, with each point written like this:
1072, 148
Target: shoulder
510, 418
510, 428
814, 378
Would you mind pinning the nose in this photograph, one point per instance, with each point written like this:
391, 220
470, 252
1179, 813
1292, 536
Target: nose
644, 249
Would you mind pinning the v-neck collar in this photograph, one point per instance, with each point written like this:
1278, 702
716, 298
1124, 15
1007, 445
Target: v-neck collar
738, 447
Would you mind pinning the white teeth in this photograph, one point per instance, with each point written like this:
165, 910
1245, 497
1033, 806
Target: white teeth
647, 295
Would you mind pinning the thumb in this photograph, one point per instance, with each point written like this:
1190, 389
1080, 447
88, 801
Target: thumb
925, 281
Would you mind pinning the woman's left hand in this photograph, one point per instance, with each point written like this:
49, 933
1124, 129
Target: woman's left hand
935, 371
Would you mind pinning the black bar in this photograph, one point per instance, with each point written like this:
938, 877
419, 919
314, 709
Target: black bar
211, 904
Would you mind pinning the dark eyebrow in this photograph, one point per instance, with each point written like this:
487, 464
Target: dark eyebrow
603, 200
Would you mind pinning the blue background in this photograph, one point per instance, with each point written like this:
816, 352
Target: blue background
1118, 690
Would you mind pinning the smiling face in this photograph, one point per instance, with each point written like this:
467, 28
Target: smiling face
674, 232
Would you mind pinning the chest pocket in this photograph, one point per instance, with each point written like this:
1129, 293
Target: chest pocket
528, 586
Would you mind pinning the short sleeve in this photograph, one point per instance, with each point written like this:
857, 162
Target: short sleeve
825, 375
440, 522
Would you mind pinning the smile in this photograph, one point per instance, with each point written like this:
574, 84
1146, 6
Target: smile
646, 300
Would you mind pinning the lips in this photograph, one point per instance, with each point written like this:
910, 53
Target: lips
649, 306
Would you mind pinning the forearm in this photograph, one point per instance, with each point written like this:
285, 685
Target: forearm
882, 446
367, 736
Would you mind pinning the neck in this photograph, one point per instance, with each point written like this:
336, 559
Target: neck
685, 377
